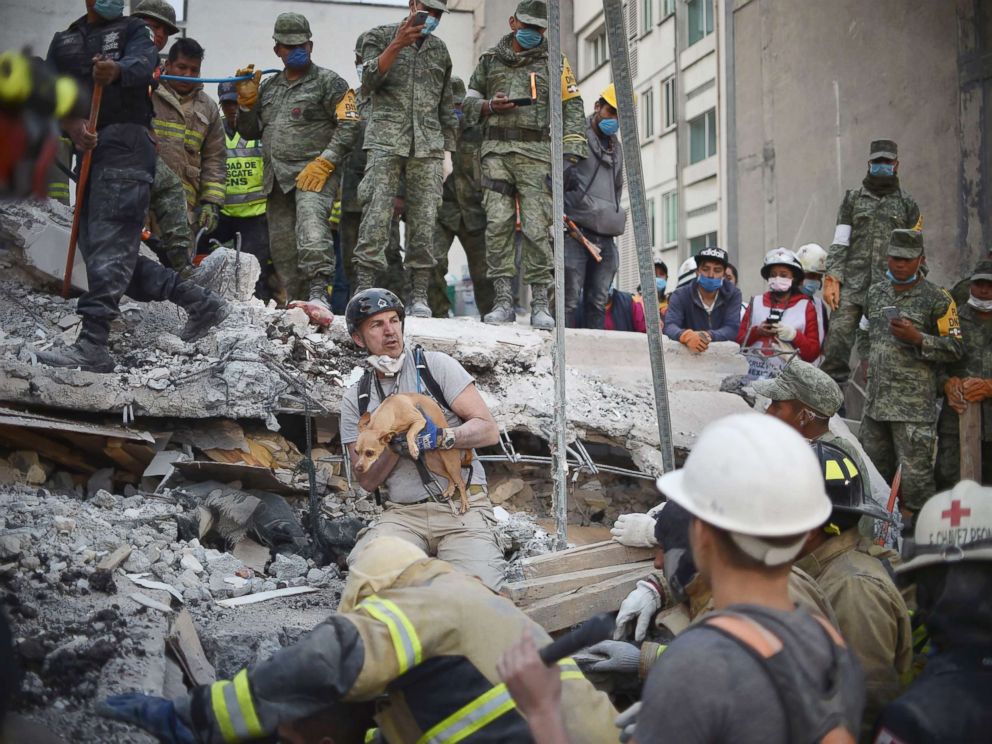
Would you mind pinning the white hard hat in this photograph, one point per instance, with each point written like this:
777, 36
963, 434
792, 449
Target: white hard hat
813, 258
782, 257
952, 526
687, 271
754, 476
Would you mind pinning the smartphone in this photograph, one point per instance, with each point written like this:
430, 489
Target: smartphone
521, 101
774, 316
420, 17
891, 313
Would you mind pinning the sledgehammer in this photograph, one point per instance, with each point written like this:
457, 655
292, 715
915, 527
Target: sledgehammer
591, 632
84, 177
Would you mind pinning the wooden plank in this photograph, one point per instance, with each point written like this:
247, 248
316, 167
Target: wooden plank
596, 555
18, 438
531, 590
970, 428
562, 611
263, 596
10, 417
113, 561
116, 452
185, 644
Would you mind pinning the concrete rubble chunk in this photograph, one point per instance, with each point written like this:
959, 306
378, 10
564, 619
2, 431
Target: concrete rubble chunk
286, 567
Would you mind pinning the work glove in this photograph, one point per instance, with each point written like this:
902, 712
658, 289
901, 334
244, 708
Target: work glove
641, 605
634, 531
155, 715
955, 394
614, 656
976, 389
695, 341
785, 332
208, 218
627, 722
314, 176
831, 291
447, 166
248, 89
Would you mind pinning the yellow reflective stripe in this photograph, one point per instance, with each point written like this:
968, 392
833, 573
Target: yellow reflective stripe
220, 711
852, 469
406, 644
832, 471
247, 707
214, 189
164, 125
370, 735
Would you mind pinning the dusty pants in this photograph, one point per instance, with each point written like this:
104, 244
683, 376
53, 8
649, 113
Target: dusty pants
911, 444
300, 240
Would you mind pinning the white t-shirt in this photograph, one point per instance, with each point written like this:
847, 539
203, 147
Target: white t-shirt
403, 486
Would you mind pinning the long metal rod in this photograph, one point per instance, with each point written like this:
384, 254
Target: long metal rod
616, 35
559, 450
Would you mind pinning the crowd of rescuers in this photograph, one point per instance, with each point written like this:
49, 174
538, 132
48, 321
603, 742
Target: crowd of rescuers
768, 570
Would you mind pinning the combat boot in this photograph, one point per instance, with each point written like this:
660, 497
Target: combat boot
540, 316
205, 275
502, 311
419, 304
204, 308
87, 354
364, 279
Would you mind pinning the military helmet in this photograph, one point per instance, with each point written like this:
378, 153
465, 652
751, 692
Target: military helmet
806, 383
782, 257
160, 10
844, 483
952, 526
371, 302
291, 29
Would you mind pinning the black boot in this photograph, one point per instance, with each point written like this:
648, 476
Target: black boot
89, 353
204, 308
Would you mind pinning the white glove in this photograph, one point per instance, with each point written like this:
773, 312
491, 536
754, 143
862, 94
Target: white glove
642, 603
614, 656
627, 722
447, 166
785, 332
634, 531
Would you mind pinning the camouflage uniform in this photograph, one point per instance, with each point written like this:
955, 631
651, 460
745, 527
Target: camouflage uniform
976, 362
900, 406
170, 218
857, 258
314, 116
463, 216
516, 154
411, 124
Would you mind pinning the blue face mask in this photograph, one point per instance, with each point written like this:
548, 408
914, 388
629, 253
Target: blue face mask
811, 286
298, 58
609, 127
710, 283
882, 169
528, 38
913, 278
660, 282
429, 25
109, 9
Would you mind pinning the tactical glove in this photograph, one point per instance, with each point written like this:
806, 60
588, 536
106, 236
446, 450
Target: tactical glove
641, 605
428, 439
634, 531
248, 89
955, 394
314, 176
831, 291
209, 217
976, 389
155, 715
695, 341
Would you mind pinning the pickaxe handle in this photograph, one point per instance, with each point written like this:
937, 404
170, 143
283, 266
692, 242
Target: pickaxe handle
84, 177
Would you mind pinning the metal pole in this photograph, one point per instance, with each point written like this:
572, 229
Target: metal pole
559, 453
616, 35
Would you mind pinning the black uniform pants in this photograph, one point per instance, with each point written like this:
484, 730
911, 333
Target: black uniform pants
113, 214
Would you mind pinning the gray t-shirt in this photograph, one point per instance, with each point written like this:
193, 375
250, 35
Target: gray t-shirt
403, 486
708, 688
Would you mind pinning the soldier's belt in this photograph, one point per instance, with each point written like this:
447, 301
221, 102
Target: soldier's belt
517, 134
500, 187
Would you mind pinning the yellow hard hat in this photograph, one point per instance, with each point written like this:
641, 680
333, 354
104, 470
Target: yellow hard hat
609, 95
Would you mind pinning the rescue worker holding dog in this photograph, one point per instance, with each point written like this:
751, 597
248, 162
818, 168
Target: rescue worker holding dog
414, 509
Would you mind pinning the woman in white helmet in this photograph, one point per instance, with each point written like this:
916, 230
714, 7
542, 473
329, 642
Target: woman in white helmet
782, 322
813, 257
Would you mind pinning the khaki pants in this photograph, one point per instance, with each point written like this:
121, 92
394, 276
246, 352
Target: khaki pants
466, 541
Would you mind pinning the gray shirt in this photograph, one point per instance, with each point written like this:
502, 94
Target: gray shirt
707, 687
403, 486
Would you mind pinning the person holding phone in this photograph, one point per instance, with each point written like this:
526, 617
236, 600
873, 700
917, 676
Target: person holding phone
913, 329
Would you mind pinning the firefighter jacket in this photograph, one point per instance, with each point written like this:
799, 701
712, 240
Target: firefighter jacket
191, 142
244, 194
428, 646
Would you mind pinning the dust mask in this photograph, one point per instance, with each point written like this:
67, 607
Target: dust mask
982, 306
109, 9
779, 283
386, 364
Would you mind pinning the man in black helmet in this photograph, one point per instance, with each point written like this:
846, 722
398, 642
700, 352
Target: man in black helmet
414, 509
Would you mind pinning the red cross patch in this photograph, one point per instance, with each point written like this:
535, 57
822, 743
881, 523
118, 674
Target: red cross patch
955, 513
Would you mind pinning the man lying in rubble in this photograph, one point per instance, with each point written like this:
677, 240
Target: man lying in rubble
414, 510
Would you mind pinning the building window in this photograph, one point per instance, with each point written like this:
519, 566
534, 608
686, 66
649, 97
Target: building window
647, 105
702, 136
598, 50
670, 211
668, 90
667, 8
652, 222
700, 19
703, 241
647, 15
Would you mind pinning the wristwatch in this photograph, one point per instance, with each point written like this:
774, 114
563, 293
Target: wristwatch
447, 438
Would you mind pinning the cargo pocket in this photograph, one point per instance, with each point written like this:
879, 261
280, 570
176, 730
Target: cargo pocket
122, 194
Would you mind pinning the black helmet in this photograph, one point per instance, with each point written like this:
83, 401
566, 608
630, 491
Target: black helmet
371, 302
844, 483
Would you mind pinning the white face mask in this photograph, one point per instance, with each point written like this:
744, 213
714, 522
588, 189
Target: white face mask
982, 306
358, 71
779, 283
386, 364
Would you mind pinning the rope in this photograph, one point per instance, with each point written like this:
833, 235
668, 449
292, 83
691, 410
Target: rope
183, 79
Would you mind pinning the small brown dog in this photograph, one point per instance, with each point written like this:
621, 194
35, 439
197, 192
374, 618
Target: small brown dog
398, 414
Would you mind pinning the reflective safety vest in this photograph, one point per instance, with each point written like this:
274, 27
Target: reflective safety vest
244, 197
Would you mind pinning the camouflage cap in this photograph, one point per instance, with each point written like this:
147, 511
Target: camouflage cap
883, 148
292, 29
801, 381
160, 10
533, 13
457, 89
360, 42
441, 5
983, 270
906, 244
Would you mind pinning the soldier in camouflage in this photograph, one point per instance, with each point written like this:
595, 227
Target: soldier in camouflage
968, 382
308, 121
912, 328
857, 256
462, 214
411, 133
516, 155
